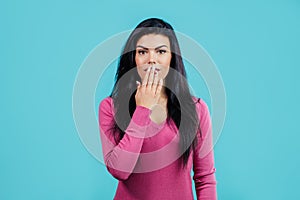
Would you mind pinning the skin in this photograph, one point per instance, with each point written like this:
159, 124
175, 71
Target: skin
153, 57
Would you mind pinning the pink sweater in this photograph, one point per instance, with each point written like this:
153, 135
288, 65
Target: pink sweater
146, 160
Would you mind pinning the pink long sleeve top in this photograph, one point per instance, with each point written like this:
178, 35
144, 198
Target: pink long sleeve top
146, 160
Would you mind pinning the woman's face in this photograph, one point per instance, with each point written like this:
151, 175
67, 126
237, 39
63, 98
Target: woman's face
153, 49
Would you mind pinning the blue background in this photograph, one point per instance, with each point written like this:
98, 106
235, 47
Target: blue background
255, 45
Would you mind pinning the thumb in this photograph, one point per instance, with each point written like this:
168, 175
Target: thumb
138, 85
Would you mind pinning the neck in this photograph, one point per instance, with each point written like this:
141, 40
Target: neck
162, 96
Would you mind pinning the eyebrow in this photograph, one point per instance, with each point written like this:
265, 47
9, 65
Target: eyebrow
155, 48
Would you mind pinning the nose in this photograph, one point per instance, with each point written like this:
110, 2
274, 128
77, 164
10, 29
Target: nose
152, 58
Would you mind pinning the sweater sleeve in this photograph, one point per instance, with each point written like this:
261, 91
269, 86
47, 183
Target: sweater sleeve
203, 157
120, 158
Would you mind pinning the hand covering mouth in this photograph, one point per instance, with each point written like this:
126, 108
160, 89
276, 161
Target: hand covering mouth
156, 69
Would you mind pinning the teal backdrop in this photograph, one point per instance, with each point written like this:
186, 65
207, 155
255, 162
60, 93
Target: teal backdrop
255, 45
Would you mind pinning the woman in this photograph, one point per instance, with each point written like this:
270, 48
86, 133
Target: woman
153, 131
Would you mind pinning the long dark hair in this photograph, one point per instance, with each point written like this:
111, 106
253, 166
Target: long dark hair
180, 105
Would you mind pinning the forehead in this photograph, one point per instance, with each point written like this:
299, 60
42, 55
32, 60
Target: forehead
153, 40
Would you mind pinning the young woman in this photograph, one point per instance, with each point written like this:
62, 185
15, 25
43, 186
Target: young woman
153, 131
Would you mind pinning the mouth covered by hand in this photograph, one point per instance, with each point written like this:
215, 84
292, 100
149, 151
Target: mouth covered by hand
156, 66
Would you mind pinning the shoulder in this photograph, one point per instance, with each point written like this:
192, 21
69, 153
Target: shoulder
201, 105
106, 101
106, 105
204, 117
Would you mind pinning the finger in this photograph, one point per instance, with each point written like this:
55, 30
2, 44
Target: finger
155, 83
151, 77
159, 87
138, 86
144, 82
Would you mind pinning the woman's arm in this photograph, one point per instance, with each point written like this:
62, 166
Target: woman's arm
121, 158
203, 158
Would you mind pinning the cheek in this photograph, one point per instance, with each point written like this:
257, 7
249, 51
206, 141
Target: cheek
166, 60
164, 72
138, 61
141, 72
139, 69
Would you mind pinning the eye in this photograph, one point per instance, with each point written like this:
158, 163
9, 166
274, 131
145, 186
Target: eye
162, 51
141, 52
